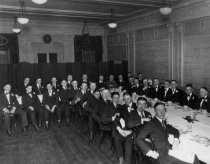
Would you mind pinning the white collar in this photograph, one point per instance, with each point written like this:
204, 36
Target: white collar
161, 120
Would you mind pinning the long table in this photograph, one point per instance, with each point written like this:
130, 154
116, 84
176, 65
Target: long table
191, 142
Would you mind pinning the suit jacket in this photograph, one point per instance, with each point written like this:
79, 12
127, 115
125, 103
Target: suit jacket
50, 100
205, 104
176, 96
122, 83
72, 93
22, 88
125, 114
56, 88
111, 84
191, 102
38, 91
69, 86
168, 96
30, 101
80, 95
64, 95
101, 85
156, 92
136, 89
135, 120
103, 115
159, 137
88, 97
4, 103
147, 91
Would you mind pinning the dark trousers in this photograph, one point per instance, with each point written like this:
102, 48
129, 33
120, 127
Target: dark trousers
47, 113
66, 109
21, 113
40, 110
124, 144
32, 114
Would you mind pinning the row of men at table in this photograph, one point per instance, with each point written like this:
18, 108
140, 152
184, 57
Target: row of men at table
129, 123
152, 89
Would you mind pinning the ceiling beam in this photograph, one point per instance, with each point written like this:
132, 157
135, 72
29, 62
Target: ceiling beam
57, 12
131, 3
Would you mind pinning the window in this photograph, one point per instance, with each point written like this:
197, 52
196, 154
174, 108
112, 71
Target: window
42, 58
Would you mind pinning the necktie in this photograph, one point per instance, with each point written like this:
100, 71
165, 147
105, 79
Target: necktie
164, 124
142, 114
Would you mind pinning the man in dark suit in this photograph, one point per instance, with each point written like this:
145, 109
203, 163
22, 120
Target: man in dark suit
158, 131
176, 93
146, 89
79, 95
156, 91
74, 89
137, 87
166, 92
9, 108
87, 103
101, 82
38, 88
121, 82
64, 94
123, 136
111, 83
26, 82
189, 99
203, 103
90, 107
139, 117
55, 85
69, 80
30, 100
51, 103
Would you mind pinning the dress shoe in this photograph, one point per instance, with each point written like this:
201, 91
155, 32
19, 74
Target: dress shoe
9, 133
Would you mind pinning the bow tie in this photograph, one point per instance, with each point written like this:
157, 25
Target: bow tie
7, 93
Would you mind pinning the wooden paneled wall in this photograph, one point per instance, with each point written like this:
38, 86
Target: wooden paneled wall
116, 47
171, 49
152, 48
196, 40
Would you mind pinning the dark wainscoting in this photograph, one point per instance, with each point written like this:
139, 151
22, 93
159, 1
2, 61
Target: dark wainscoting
15, 73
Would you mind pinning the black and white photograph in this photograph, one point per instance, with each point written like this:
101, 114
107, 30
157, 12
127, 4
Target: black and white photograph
104, 81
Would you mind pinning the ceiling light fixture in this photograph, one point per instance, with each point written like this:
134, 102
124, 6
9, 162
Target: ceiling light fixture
112, 24
166, 10
22, 19
16, 29
85, 30
39, 1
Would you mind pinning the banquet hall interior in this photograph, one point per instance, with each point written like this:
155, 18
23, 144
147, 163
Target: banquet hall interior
69, 70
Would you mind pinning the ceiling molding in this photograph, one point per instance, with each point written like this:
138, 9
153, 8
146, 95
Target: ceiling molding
56, 12
133, 3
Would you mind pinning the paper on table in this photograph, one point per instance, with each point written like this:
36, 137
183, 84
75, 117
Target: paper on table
183, 153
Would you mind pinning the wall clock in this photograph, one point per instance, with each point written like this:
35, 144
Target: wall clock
47, 38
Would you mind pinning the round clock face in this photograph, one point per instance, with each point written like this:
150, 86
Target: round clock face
47, 38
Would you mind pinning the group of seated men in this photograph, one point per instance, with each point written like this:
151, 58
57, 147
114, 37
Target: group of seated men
128, 122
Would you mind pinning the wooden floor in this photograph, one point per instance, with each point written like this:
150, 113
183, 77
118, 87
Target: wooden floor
65, 145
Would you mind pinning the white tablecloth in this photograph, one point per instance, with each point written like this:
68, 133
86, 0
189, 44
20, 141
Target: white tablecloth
188, 146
